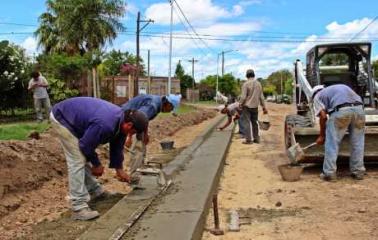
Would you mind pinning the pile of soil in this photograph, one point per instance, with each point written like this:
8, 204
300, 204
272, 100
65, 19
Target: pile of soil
33, 172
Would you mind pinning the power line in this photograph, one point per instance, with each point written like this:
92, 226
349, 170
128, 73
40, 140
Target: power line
191, 26
266, 39
366, 27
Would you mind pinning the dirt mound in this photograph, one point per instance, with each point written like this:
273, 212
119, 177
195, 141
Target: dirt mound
27, 165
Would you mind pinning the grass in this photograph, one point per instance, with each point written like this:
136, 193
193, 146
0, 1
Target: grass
181, 110
20, 131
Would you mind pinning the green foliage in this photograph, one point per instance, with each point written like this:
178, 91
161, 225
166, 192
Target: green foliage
181, 110
179, 72
275, 78
63, 66
334, 59
14, 70
227, 84
59, 90
375, 69
115, 59
20, 131
79, 26
186, 81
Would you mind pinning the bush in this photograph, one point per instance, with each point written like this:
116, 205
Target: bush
14, 71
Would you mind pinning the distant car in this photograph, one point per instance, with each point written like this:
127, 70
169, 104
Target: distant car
270, 98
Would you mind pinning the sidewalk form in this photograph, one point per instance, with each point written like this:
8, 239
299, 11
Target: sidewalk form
177, 212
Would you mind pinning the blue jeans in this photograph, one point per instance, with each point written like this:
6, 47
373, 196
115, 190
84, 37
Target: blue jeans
350, 119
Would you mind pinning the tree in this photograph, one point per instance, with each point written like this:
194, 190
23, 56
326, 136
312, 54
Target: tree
14, 71
375, 69
186, 81
334, 59
114, 60
80, 26
275, 80
227, 84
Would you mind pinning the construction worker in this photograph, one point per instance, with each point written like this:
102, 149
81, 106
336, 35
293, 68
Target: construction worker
82, 124
251, 97
345, 113
233, 112
151, 106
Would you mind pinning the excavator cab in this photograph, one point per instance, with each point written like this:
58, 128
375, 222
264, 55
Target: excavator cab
328, 64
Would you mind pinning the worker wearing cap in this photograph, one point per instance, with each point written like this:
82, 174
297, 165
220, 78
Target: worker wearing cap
345, 113
251, 97
151, 106
233, 112
82, 124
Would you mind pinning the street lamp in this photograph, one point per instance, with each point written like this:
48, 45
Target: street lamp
221, 53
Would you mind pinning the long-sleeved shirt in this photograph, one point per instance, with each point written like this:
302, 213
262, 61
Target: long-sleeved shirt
146, 103
252, 94
93, 121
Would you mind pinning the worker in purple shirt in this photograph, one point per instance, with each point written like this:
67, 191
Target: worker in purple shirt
82, 124
151, 106
345, 113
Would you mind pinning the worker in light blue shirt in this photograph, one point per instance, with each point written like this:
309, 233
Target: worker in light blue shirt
151, 106
345, 113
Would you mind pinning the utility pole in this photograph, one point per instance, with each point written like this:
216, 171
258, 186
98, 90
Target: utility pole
138, 31
222, 63
170, 51
148, 72
193, 61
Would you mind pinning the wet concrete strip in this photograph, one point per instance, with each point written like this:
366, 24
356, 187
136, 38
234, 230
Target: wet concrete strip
128, 207
181, 214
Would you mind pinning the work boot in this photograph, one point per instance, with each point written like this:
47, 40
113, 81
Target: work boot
358, 176
328, 178
85, 214
247, 142
256, 140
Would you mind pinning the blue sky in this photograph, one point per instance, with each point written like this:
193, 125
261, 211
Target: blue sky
272, 33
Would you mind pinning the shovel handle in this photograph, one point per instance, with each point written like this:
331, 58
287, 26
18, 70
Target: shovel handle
309, 146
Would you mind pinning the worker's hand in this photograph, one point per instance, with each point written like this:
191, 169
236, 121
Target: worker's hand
97, 171
219, 129
128, 142
265, 111
320, 140
122, 176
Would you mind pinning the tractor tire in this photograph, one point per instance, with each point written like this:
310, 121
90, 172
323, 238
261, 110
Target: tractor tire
293, 121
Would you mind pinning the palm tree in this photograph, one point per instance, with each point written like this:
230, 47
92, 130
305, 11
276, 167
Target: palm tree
79, 26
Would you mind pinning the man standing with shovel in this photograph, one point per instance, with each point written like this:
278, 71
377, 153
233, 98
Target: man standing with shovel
345, 113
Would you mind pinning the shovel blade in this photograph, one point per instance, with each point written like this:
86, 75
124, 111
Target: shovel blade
295, 153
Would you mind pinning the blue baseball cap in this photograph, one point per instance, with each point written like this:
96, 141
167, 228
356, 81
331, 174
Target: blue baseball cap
174, 100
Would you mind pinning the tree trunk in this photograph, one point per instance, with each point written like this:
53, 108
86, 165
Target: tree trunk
94, 82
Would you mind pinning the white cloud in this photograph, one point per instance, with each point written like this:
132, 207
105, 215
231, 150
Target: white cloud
199, 12
230, 29
30, 44
249, 2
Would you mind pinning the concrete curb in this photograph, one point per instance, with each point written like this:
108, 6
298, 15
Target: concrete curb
181, 214
136, 202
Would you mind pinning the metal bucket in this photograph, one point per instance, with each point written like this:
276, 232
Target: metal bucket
167, 145
264, 125
290, 173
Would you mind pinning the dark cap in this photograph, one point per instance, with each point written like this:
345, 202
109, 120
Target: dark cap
139, 120
250, 73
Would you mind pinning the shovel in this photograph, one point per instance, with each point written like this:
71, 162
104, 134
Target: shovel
296, 152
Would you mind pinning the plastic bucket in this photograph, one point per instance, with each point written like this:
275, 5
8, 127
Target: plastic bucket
264, 125
290, 173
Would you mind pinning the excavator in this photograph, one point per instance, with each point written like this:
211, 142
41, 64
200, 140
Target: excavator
327, 64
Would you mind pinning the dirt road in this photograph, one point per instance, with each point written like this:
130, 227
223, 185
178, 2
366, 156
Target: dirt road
307, 209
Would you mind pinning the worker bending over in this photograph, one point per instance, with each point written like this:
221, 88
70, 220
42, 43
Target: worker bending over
151, 106
345, 113
233, 112
82, 124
